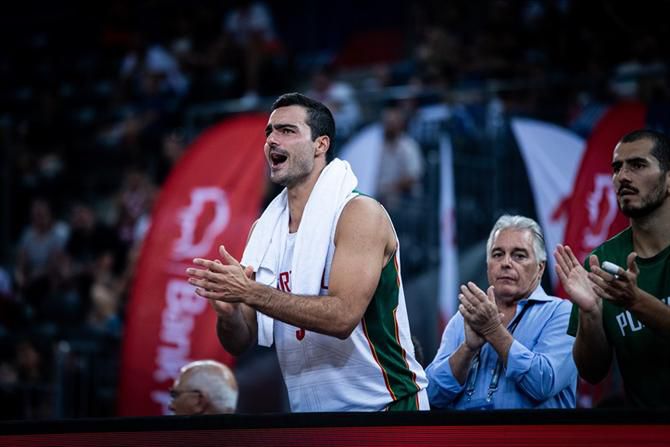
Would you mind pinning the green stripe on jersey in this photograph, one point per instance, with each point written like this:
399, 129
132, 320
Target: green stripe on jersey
380, 326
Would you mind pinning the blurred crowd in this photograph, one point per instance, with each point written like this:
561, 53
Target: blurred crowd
97, 98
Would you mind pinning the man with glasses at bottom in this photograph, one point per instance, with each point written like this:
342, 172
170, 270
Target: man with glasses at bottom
507, 347
204, 387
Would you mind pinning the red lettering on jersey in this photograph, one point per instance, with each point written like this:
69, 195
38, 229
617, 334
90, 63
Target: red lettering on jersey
300, 334
284, 282
284, 285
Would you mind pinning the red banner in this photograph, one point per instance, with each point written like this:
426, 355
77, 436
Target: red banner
212, 197
594, 215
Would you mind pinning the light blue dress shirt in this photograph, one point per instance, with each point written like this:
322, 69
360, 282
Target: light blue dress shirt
540, 371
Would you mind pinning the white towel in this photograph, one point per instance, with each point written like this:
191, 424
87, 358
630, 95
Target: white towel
268, 239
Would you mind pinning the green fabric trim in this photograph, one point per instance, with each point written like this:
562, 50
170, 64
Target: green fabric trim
407, 403
380, 328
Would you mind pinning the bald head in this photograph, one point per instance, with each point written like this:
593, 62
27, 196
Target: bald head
204, 387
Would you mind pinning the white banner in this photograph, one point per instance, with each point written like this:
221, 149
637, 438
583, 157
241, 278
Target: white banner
552, 155
448, 280
363, 152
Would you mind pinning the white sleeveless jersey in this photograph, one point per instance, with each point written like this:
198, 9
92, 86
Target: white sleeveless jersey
371, 369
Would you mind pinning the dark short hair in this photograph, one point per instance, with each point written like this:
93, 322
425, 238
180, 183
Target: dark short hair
319, 118
660, 149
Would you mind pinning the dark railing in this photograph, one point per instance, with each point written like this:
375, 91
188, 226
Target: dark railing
501, 428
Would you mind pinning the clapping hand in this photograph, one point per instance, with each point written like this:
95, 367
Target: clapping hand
223, 283
575, 278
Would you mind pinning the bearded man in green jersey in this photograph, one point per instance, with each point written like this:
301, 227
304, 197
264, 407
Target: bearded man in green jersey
627, 311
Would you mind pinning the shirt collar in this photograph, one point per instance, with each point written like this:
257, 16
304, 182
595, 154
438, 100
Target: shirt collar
538, 295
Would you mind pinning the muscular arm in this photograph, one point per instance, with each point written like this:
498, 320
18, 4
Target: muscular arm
364, 241
236, 325
237, 329
652, 312
591, 351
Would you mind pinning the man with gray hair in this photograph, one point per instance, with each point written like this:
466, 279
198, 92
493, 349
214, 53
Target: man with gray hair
204, 387
507, 347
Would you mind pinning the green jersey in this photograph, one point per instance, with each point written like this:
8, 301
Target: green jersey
643, 356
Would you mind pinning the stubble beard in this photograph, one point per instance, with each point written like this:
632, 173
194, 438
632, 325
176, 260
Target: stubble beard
295, 175
650, 203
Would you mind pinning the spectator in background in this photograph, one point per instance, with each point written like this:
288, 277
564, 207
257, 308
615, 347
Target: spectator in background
39, 251
11, 309
401, 164
24, 385
204, 387
249, 37
89, 240
32, 369
339, 97
6, 291
507, 347
173, 147
10, 394
147, 60
134, 201
152, 87
438, 56
105, 298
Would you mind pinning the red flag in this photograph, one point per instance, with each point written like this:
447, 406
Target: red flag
594, 215
212, 197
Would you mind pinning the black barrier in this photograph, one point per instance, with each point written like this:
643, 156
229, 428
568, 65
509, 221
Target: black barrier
513, 427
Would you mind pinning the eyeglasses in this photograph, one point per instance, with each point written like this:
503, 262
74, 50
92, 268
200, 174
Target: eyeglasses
174, 393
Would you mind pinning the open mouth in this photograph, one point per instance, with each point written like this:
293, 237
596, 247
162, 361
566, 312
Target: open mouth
277, 159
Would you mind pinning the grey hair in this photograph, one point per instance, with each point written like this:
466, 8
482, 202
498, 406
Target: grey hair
216, 381
507, 221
